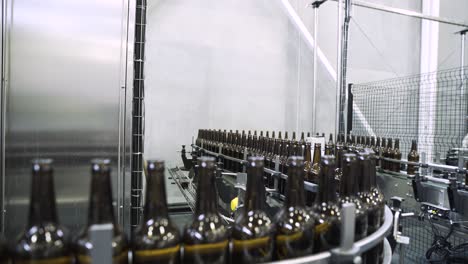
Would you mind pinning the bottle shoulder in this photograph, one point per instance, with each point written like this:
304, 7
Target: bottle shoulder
206, 228
83, 245
253, 224
43, 241
322, 211
294, 219
156, 234
361, 207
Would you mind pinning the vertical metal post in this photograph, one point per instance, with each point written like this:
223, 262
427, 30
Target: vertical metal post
314, 99
101, 239
344, 68
3, 96
462, 56
428, 90
462, 73
338, 66
138, 115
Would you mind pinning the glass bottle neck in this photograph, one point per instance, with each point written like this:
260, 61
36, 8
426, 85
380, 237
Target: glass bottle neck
156, 203
348, 184
295, 193
206, 192
365, 173
372, 173
317, 154
307, 154
42, 207
100, 202
414, 146
255, 198
327, 192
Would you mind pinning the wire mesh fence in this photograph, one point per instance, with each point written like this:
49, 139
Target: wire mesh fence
432, 243
430, 108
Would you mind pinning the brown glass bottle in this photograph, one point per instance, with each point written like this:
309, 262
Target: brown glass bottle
43, 240
316, 162
308, 176
374, 205
372, 143
349, 193
199, 136
254, 147
376, 147
285, 148
227, 150
308, 162
379, 198
241, 148
339, 152
329, 147
389, 154
157, 240
413, 156
295, 223
270, 161
4, 252
327, 225
101, 211
302, 145
206, 238
383, 153
253, 231
396, 155
249, 145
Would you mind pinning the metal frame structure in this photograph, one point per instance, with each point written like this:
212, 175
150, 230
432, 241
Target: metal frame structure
343, 38
138, 120
3, 112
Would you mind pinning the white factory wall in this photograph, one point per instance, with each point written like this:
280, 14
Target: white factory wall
222, 64
240, 64
449, 43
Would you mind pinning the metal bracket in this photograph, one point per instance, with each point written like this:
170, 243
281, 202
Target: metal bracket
101, 239
348, 251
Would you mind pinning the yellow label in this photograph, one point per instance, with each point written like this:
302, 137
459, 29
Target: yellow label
291, 237
61, 260
156, 252
205, 248
250, 243
119, 259
322, 228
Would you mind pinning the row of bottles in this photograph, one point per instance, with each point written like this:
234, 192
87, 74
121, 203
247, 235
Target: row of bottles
44, 240
235, 144
275, 150
255, 237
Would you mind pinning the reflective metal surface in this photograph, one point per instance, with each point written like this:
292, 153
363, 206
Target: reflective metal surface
66, 100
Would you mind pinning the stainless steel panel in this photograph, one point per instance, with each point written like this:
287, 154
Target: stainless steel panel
2, 115
66, 99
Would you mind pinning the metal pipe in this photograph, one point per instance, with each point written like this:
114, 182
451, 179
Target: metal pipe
314, 99
344, 67
3, 96
404, 12
426, 165
462, 72
309, 40
338, 66
462, 57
